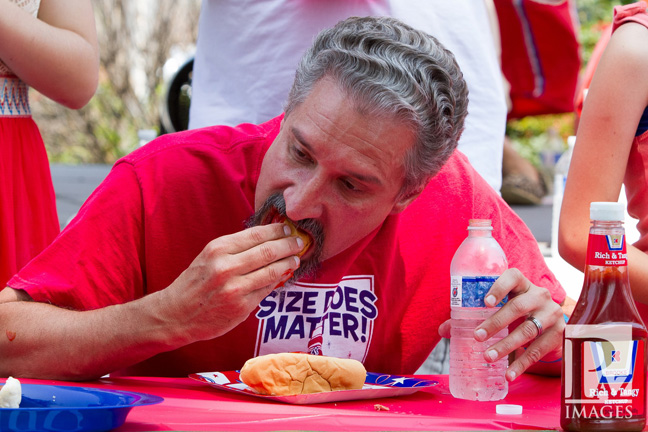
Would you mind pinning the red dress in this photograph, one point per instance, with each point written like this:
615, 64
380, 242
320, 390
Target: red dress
28, 218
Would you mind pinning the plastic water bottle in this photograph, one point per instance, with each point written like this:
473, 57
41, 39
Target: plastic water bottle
550, 154
560, 178
476, 265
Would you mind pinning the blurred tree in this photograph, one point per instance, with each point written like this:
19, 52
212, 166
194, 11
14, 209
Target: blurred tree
135, 40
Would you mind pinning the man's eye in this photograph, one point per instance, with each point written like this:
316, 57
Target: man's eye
349, 185
300, 155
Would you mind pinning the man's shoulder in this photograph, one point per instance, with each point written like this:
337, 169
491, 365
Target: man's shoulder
457, 192
211, 142
457, 176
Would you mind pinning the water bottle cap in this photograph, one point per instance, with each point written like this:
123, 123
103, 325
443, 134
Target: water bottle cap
508, 409
607, 211
482, 224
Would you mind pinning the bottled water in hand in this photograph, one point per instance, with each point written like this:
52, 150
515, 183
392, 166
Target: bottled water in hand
476, 265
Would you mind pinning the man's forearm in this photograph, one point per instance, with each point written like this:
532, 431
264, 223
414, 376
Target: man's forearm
43, 341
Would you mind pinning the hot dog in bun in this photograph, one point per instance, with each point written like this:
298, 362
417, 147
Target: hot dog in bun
299, 233
299, 373
278, 218
274, 216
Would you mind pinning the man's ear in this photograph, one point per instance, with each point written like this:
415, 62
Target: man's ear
405, 200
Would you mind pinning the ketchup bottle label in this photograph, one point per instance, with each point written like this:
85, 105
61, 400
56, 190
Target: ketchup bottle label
609, 373
606, 250
469, 291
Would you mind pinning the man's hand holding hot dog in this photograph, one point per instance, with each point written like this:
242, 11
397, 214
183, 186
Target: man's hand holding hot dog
229, 278
220, 288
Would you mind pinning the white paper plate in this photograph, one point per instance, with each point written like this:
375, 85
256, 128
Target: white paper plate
376, 386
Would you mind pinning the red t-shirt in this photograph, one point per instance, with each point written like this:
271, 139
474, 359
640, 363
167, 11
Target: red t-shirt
381, 301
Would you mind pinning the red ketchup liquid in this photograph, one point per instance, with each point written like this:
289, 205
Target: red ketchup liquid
604, 347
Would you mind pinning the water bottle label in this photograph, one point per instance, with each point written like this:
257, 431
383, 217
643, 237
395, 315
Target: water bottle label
469, 291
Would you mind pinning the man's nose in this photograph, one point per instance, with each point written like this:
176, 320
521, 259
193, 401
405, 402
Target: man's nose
304, 199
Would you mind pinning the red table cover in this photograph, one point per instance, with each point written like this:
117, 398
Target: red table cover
191, 405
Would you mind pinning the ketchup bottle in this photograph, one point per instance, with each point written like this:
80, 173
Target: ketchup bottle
604, 346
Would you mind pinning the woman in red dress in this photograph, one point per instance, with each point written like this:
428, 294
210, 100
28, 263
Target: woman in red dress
50, 45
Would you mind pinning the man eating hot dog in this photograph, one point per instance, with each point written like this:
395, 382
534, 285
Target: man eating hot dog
166, 270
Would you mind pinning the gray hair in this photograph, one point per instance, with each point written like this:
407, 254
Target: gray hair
391, 70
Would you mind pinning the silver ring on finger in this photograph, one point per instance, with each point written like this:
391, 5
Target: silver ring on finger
537, 323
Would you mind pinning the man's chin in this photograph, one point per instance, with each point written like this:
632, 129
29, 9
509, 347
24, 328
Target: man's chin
307, 269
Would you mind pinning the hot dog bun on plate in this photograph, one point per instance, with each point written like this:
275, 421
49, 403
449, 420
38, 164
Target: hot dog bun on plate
299, 373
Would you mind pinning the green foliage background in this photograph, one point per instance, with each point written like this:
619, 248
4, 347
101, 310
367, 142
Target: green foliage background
135, 42
106, 128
